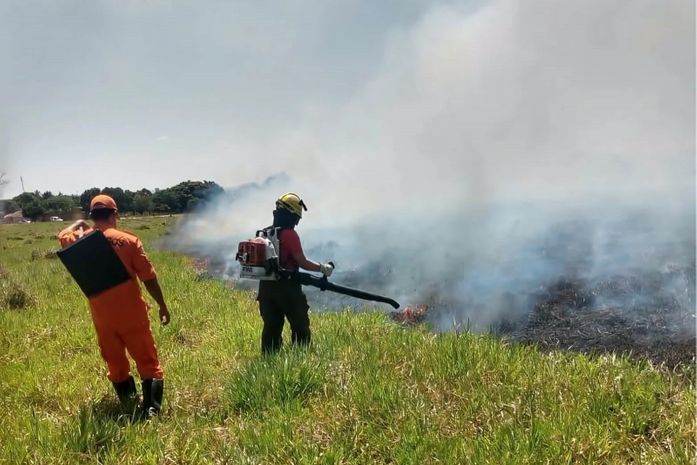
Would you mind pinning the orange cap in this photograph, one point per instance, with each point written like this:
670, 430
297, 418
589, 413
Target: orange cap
102, 201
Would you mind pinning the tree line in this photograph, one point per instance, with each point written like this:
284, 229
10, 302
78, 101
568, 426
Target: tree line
184, 197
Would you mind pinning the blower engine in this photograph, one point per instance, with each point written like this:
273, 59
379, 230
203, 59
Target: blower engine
259, 260
259, 256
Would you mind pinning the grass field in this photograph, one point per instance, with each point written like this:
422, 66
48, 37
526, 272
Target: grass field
367, 391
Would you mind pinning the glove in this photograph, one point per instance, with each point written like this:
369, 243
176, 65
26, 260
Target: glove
326, 268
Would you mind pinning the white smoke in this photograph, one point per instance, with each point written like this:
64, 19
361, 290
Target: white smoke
485, 140
538, 100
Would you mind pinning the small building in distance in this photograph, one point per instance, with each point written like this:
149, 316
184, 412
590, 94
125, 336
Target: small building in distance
12, 218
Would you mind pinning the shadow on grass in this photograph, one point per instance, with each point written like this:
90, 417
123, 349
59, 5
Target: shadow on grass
97, 428
109, 408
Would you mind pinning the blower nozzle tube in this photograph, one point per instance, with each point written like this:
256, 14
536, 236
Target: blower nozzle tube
323, 284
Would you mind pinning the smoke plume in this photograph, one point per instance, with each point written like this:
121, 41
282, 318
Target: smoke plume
494, 153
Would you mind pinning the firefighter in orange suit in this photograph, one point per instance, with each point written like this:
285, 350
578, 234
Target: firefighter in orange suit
120, 314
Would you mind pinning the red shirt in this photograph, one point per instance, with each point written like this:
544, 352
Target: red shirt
289, 242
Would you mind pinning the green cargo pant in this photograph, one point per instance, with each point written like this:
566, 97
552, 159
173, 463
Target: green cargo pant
279, 300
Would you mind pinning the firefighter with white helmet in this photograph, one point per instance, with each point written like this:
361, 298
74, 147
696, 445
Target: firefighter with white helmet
284, 298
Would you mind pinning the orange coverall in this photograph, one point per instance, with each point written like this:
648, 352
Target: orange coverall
120, 314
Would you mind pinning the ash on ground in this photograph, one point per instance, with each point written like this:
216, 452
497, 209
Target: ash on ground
575, 315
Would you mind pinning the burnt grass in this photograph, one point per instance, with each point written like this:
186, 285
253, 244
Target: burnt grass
645, 317
578, 316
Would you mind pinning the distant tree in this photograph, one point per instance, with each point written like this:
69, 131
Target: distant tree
183, 197
86, 197
212, 190
128, 199
161, 208
25, 198
142, 203
187, 195
165, 201
34, 209
59, 205
123, 199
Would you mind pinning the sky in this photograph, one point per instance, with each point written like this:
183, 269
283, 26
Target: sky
442, 102
151, 93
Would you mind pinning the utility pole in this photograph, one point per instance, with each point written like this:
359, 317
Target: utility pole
22, 181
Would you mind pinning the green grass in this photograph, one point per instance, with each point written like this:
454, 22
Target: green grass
366, 392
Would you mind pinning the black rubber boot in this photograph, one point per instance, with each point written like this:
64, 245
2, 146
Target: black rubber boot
126, 392
153, 390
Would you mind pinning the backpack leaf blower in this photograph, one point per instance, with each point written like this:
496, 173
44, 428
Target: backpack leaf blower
259, 260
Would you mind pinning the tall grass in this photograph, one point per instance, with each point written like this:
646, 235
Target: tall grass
366, 391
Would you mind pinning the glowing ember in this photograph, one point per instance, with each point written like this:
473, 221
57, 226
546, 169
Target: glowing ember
411, 315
